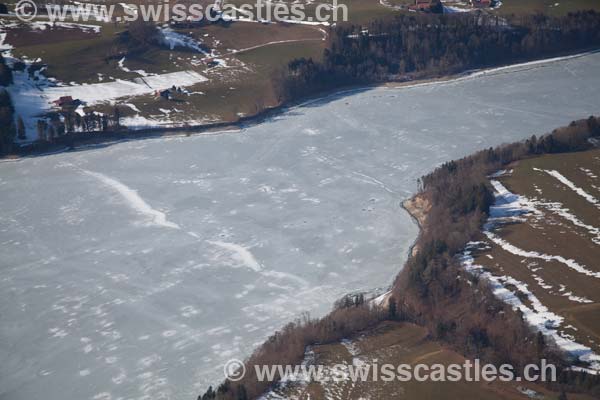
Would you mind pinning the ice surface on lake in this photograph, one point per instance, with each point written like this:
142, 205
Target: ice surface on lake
139, 268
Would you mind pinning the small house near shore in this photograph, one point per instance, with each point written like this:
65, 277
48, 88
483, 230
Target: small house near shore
420, 5
67, 101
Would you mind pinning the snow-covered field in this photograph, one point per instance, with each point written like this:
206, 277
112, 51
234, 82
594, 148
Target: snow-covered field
136, 270
95, 93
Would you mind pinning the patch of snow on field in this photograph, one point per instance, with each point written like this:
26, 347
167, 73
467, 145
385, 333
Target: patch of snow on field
134, 200
122, 66
540, 281
138, 122
132, 106
67, 25
588, 172
502, 172
95, 93
534, 254
509, 205
562, 179
304, 22
563, 292
577, 299
565, 213
174, 39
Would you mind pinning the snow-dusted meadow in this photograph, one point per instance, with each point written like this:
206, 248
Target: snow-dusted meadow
509, 208
136, 270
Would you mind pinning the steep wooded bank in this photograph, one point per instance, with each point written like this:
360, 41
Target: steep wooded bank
430, 45
432, 289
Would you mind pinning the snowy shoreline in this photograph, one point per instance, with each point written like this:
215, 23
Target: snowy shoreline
95, 139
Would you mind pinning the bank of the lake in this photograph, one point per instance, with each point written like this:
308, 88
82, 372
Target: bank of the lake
79, 141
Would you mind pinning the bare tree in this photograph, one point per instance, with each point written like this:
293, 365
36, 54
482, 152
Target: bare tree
21, 132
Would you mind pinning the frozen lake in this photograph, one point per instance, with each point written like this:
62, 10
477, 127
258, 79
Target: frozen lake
136, 270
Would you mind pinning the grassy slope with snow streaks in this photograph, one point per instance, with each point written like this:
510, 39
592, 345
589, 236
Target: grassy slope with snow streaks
546, 257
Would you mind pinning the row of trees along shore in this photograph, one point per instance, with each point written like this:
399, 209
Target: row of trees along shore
462, 313
8, 129
431, 45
